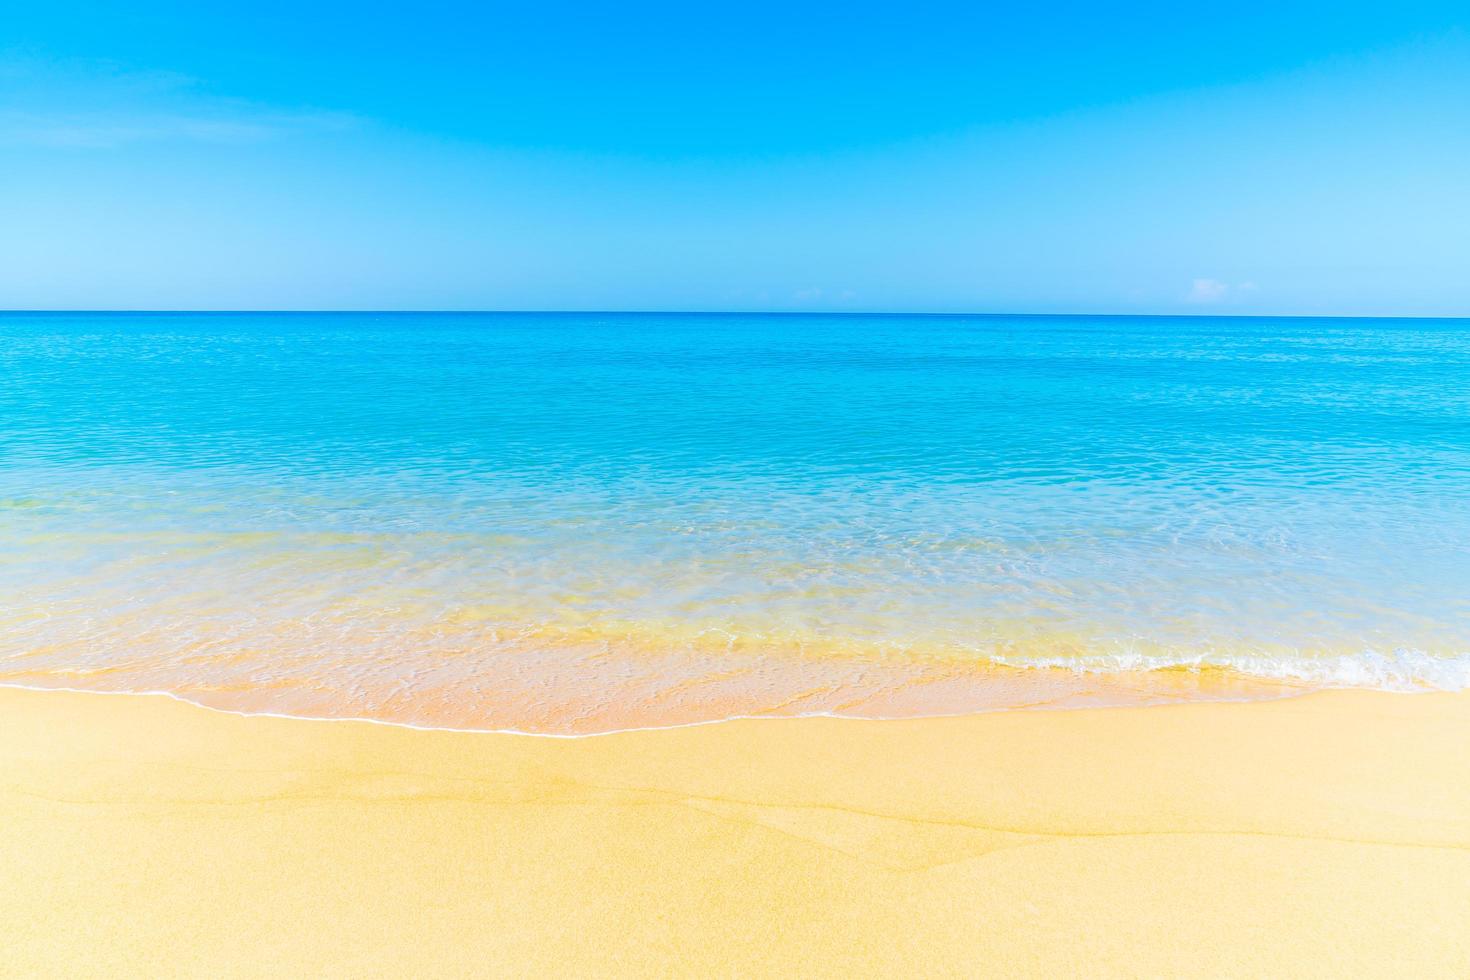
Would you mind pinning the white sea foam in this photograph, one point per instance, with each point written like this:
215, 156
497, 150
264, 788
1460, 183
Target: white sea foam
1395, 670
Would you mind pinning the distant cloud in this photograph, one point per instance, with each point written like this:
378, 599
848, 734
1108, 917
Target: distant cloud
1207, 291
818, 294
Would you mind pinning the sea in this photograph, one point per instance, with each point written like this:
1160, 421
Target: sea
576, 523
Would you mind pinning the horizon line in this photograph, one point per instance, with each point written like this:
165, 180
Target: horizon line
732, 313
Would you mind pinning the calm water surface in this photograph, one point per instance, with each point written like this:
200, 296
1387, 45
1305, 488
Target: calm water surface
579, 522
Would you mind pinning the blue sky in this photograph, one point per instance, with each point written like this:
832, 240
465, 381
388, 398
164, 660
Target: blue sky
1114, 158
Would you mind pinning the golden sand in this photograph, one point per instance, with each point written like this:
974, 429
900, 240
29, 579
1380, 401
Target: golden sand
1327, 835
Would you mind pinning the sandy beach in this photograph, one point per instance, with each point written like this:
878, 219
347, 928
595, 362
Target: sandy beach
1325, 835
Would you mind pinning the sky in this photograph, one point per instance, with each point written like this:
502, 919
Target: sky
1242, 158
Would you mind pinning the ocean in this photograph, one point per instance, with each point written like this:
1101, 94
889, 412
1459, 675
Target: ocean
577, 523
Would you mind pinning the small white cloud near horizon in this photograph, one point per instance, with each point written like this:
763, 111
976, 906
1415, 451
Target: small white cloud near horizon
1204, 291
820, 294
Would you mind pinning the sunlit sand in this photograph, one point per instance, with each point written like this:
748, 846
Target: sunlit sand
1321, 835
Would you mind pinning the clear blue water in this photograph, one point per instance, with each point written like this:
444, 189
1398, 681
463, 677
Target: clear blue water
492, 517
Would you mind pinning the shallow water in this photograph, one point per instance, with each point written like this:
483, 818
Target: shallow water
581, 522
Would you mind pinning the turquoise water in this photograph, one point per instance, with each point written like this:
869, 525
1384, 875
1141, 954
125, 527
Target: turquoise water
573, 522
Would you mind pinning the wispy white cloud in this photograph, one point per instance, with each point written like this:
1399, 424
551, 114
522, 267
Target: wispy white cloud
106, 130
99, 106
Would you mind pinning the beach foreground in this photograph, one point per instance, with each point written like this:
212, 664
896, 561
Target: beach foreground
1322, 835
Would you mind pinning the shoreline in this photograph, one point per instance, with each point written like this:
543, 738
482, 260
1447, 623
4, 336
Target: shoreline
1328, 833
874, 692
1277, 695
